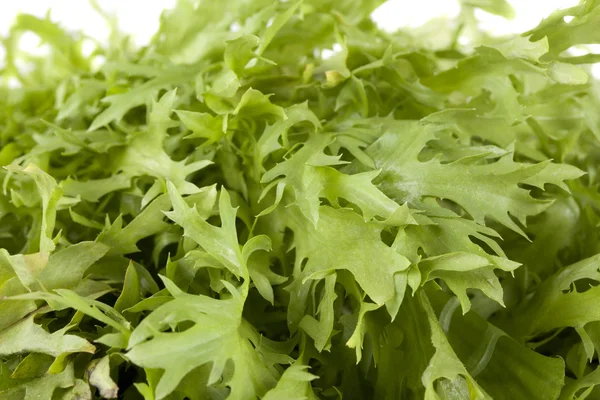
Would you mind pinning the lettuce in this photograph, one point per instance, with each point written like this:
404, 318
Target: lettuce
279, 200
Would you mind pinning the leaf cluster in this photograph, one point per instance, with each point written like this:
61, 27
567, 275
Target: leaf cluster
279, 200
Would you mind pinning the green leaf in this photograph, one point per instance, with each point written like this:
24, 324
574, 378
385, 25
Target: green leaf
360, 190
316, 192
462, 271
150, 221
562, 35
94, 189
573, 387
483, 190
487, 352
523, 47
202, 125
294, 384
131, 293
254, 103
218, 334
80, 391
301, 174
121, 103
357, 338
239, 51
49, 194
27, 337
322, 329
68, 299
342, 240
220, 242
145, 155
67, 267
98, 374
269, 140
567, 73
497, 7
446, 364
547, 308
37, 388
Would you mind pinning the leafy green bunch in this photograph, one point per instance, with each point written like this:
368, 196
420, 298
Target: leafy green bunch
278, 200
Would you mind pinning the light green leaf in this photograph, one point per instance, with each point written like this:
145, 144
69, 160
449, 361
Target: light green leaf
37, 388
67, 267
218, 335
446, 364
239, 51
49, 193
98, 375
487, 352
294, 384
27, 337
483, 190
568, 74
342, 240
557, 303
462, 271
220, 242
